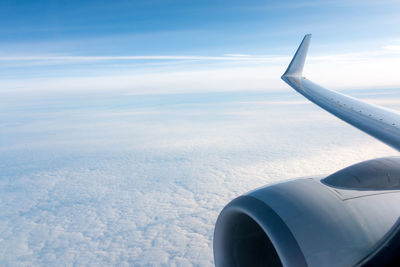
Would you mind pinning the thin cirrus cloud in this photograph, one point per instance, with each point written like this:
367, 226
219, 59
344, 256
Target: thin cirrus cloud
227, 57
160, 74
394, 48
231, 72
351, 56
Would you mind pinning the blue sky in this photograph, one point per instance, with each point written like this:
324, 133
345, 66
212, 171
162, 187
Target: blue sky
43, 44
190, 27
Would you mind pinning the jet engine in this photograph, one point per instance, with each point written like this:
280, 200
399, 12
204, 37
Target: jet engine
349, 218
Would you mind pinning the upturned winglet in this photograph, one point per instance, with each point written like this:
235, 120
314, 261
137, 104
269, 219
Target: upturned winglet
295, 67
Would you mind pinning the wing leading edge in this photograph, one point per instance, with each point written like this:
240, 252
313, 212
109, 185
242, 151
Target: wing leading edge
379, 122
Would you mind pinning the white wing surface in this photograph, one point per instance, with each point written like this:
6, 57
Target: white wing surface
379, 122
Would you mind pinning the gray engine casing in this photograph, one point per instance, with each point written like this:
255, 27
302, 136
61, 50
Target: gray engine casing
340, 220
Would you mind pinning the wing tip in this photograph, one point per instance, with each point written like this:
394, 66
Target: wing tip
295, 67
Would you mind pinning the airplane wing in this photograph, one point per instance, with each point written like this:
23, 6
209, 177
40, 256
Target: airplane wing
348, 218
379, 122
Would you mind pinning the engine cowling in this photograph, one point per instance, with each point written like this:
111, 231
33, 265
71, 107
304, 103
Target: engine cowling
348, 218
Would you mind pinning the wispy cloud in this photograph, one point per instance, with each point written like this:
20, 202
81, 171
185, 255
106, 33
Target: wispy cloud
153, 82
227, 57
236, 55
395, 48
230, 72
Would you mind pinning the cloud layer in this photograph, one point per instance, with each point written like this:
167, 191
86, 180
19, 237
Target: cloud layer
141, 179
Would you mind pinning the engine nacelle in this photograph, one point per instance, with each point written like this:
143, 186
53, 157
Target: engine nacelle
348, 218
